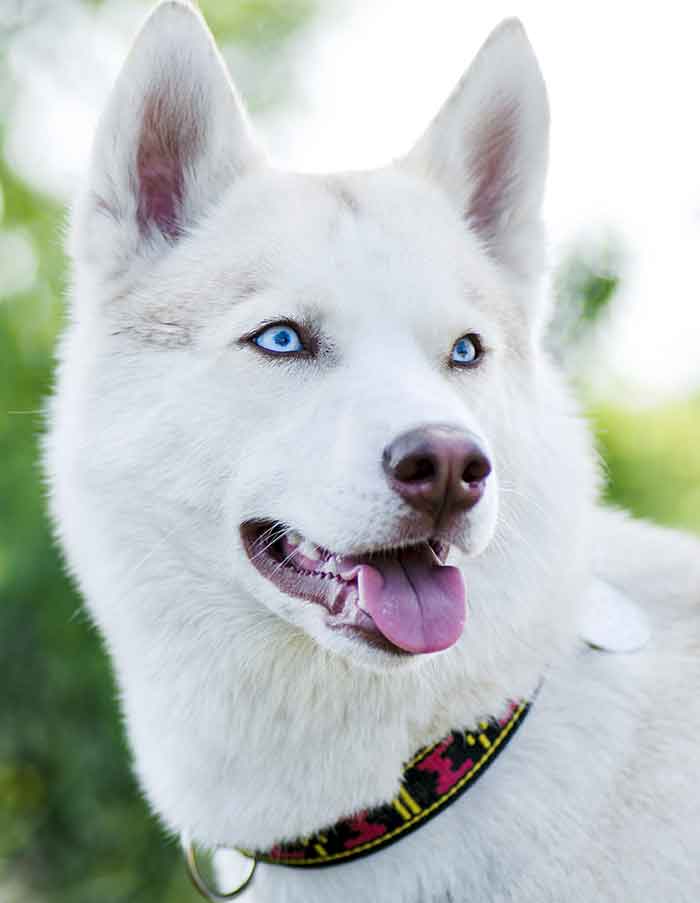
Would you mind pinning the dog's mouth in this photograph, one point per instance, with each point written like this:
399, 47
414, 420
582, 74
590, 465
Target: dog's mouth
403, 600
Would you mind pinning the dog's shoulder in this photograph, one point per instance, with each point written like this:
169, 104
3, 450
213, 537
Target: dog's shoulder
657, 567
654, 793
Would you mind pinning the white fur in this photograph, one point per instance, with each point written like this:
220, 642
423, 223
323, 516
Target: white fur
249, 721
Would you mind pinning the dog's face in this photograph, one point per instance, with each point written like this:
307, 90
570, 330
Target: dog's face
333, 365
358, 344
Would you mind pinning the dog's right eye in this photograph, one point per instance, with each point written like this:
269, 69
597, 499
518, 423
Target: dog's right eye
280, 338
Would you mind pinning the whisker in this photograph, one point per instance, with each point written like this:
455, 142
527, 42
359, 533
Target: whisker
127, 577
271, 529
286, 560
153, 550
525, 496
284, 531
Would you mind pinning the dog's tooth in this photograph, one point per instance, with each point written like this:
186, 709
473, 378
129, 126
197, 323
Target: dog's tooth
329, 567
309, 550
294, 539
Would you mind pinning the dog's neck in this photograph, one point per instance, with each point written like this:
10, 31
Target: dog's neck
433, 779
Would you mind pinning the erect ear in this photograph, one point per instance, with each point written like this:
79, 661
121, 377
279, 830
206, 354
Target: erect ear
174, 135
488, 148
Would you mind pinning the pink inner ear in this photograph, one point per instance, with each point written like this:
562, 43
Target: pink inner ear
167, 144
492, 170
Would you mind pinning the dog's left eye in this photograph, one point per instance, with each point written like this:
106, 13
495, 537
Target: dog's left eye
466, 350
280, 339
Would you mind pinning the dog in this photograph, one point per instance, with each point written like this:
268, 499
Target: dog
330, 504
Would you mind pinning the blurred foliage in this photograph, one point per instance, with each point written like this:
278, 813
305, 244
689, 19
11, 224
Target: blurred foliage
258, 22
586, 280
73, 828
584, 289
653, 460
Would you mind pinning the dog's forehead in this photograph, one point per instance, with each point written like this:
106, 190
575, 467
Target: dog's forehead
374, 233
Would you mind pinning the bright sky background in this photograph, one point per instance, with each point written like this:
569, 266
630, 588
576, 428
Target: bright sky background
624, 82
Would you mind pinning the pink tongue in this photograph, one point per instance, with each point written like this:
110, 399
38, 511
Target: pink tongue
418, 604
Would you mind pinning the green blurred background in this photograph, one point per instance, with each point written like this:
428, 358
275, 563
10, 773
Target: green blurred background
73, 828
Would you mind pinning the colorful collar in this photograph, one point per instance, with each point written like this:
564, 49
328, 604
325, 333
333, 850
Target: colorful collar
432, 780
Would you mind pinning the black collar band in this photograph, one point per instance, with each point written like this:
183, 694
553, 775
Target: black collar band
432, 780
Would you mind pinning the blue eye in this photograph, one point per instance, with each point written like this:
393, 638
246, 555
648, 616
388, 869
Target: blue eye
466, 350
279, 339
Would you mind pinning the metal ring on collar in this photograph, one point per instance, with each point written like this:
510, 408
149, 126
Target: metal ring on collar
193, 869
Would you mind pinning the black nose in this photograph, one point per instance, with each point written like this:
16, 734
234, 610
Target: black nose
439, 470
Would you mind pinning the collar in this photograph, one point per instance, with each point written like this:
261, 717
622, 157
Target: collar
433, 779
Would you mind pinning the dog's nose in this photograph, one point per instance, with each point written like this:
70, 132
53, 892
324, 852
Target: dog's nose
438, 470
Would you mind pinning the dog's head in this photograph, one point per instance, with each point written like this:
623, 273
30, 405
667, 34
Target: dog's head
291, 405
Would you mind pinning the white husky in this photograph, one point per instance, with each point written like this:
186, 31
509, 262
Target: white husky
283, 402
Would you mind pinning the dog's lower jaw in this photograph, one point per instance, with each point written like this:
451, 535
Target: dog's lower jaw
400, 600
